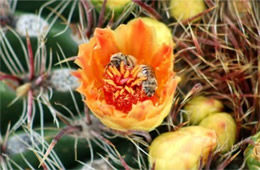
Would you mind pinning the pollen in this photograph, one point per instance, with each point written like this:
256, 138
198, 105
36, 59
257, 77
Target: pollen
122, 87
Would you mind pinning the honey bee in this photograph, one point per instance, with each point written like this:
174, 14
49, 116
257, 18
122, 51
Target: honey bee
116, 59
150, 84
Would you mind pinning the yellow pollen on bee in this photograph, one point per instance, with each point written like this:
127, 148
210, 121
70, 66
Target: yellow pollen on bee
122, 69
126, 74
138, 81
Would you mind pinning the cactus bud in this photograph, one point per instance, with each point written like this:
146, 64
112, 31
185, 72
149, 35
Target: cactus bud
252, 153
225, 127
256, 150
183, 10
200, 107
163, 32
239, 8
115, 6
182, 149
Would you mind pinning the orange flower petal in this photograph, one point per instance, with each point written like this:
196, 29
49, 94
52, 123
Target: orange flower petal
163, 64
138, 40
95, 55
143, 116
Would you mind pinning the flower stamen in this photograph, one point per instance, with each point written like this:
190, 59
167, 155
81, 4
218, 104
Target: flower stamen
110, 74
110, 82
134, 69
122, 70
122, 85
126, 74
114, 70
135, 72
138, 81
129, 89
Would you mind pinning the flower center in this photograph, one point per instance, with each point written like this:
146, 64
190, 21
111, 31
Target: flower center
124, 85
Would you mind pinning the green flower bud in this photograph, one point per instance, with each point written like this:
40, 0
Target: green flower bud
252, 153
116, 6
182, 149
200, 107
185, 9
225, 127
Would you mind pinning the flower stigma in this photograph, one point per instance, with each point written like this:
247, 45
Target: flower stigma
126, 83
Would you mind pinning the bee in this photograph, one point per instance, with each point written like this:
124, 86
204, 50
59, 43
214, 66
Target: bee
117, 58
150, 84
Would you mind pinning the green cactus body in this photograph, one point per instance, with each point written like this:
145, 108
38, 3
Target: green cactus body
79, 144
8, 113
127, 150
34, 6
252, 153
37, 28
18, 147
65, 149
96, 164
62, 83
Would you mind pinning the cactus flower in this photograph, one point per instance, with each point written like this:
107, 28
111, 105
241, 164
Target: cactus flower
225, 127
182, 149
200, 107
116, 95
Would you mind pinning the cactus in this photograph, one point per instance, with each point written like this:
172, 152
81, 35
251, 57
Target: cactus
182, 149
184, 10
116, 7
200, 107
74, 142
40, 91
225, 128
252, 153
58, 40
212, 45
